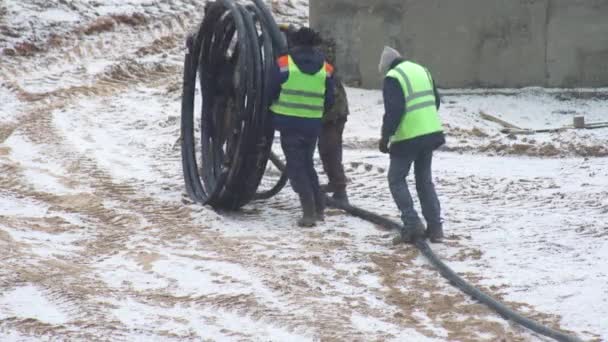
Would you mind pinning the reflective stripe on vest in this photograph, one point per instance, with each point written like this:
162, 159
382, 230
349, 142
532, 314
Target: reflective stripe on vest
421, 115
303, 95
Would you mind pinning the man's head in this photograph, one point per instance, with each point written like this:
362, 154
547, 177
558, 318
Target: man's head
304, 37
389, 55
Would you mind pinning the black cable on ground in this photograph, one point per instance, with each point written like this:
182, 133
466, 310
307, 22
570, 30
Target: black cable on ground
280, 183
232, 54
456, 280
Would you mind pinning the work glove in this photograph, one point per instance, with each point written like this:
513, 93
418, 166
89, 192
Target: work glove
190, 41
383, 145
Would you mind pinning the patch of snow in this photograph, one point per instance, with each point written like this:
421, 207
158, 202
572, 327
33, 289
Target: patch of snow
30, 302
20, 207
205, 323
128, 131
46, 245
57, 15
14, 336
211, 277
428, 323
10, 106
119, 270
35, 21
528, 108
44, 173
374, 326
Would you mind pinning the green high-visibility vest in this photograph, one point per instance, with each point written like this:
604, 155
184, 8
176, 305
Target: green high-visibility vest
303, 95
420, 117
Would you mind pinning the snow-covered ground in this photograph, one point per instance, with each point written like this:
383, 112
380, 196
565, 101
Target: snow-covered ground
98, 241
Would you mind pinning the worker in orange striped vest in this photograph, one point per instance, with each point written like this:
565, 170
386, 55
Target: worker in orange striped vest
301, 90
334, 120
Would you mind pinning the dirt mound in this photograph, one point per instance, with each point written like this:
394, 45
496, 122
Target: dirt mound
160, 45
23, 49
561, 144
544, 149
133, 70
465, 132
30, 46
108, 23
134, 19
589, 150
503, 145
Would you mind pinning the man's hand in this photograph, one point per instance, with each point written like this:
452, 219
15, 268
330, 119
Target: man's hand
383, 145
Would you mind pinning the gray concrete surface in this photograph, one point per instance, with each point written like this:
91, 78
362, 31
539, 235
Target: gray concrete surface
472, 43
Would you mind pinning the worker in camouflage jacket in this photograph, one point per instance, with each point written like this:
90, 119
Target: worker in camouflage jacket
330, 140
301, 90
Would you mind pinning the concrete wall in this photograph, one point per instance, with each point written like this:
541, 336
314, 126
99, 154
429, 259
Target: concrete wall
472, 43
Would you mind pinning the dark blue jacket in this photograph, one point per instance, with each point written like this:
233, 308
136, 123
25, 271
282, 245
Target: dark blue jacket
394, 109
310, 61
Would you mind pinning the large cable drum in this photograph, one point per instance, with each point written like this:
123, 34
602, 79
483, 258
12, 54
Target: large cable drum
226, 147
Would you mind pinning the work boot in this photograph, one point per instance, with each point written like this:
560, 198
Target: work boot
403, 237
435, 233
327, 188
419, 230
341, 197
320, 207
308, 218
409, 234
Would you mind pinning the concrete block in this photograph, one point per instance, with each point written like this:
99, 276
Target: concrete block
472, 43
577, 44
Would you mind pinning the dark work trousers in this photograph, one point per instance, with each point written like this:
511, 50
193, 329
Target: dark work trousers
398, 170
299, 150
330, 151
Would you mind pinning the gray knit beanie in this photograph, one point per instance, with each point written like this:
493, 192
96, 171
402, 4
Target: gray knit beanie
387, 58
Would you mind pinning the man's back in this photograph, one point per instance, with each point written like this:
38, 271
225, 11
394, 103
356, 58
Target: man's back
309, 61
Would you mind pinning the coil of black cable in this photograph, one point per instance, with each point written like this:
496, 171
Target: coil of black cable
231, 56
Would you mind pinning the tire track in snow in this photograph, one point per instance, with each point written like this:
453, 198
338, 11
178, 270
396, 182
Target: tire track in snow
37, 125
40, 130
64, 279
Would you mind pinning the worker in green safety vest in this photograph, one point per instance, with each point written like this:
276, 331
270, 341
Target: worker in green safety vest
301, 88
411, 131
334, 121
